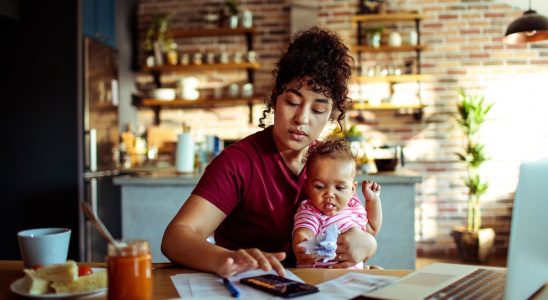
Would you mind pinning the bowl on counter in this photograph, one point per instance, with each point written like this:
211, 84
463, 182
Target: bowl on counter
386, 164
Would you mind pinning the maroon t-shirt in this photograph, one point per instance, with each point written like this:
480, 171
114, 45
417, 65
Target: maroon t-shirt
250, 182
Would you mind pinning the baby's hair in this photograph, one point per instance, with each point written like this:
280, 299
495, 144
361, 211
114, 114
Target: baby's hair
335, 148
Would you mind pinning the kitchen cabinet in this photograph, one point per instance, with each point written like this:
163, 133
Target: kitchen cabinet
178, 34
99, 20
364, 50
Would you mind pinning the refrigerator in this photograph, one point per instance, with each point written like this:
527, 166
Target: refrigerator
100, 147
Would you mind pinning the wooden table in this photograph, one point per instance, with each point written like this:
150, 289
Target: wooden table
163, 288
11, 270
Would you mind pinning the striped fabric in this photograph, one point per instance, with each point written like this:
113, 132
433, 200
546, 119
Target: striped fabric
309, 217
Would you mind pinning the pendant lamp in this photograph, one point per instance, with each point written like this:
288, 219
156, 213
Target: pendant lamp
530, 27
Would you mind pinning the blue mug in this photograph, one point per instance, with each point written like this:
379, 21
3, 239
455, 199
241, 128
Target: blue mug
44, 246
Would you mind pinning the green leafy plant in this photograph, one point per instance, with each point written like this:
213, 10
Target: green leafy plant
232, 7
472, 111
158, 32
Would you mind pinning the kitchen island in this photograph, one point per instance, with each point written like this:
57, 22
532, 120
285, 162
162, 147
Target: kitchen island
151, 200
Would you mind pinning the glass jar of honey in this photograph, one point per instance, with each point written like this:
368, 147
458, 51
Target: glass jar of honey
129, 271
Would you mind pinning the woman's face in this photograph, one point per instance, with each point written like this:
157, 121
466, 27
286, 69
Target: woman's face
300, 115
330, 184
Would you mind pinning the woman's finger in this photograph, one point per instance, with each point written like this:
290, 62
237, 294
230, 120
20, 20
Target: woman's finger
260, 257
276, 264
243, 257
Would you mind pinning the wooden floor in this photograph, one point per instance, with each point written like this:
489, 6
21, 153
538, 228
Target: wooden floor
425, 261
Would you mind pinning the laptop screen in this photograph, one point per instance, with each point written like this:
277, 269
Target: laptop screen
528, 249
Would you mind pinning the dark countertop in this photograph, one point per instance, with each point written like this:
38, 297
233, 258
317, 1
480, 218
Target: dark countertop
168, 176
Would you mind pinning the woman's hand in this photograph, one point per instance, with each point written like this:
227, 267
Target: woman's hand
250, 259
353, 247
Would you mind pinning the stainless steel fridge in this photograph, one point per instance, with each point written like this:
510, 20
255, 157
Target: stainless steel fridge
101, 152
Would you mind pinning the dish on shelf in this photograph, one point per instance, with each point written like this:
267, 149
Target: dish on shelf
164, 94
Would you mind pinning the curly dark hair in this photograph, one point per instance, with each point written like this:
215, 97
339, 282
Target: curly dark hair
334, 148
321, 57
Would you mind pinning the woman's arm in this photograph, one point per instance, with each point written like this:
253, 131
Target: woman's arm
185, 243
354, 246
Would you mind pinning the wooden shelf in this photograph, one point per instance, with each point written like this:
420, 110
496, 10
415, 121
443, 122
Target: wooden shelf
387, 17
403, 48
385, 106
204, 67
199, 103
203, 32
392, 78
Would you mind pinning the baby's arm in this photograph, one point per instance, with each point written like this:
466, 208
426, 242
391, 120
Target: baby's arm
371, 192
300, 235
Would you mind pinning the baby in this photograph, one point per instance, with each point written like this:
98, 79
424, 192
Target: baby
331, 189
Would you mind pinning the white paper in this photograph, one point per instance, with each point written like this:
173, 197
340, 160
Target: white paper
210, 286
349, 286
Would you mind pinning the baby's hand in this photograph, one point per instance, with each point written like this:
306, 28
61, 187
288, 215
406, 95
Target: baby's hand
371, 190
302, 256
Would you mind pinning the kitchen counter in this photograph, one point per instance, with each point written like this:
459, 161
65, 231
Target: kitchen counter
169, 176
159, 194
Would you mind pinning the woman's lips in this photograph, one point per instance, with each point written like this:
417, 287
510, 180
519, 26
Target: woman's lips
297, 135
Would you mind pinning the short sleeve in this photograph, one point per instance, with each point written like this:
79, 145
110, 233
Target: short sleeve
222, 182
307, 218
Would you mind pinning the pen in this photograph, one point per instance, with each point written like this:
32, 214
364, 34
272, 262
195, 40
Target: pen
231, 288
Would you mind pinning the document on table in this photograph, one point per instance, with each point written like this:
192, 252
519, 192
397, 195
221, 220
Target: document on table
209, 286
349, 285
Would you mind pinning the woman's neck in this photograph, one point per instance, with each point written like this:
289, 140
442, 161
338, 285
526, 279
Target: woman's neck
294, 160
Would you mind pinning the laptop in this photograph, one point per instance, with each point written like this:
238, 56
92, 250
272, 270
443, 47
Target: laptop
527, 270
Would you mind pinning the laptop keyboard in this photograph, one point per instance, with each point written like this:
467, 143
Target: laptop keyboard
480, 284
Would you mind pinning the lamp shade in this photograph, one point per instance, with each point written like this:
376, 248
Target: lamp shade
530, 27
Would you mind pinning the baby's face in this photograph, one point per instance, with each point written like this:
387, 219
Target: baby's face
331, 184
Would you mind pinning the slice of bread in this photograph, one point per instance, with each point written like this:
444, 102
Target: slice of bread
85, 283
34, 284
59, 272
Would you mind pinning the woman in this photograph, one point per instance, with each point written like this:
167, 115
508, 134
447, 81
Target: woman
248, 194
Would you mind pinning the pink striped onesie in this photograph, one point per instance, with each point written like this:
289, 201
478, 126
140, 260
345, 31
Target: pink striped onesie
353, 215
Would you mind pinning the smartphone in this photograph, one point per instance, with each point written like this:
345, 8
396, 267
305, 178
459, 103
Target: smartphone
279, 286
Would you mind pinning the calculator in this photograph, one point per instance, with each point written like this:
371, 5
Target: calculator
279, 286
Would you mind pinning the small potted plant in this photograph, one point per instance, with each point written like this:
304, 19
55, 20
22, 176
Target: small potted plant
233, 11
373, 36
474, 243
157, 39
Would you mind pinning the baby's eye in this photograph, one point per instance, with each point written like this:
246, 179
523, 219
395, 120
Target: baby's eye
318, 187
340, 188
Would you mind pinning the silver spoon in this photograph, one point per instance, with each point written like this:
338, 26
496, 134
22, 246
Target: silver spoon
94, 219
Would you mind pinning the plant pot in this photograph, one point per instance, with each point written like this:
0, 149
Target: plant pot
474, 246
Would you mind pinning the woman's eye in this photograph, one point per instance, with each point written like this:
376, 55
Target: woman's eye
292, 102
319, 109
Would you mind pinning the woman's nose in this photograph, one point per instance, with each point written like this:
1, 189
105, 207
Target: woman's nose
301, 116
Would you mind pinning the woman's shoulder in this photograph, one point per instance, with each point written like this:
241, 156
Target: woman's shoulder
259, 143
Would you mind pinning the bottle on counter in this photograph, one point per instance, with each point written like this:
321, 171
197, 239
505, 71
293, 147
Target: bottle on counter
184, 156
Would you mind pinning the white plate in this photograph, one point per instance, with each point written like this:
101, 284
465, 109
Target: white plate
18, 288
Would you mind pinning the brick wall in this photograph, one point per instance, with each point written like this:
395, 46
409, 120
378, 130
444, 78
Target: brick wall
464, 50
